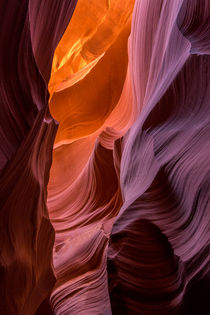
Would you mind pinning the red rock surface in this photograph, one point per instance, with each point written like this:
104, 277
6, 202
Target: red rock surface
104, 158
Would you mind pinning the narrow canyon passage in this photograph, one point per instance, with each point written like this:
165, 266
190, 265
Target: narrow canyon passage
105, 157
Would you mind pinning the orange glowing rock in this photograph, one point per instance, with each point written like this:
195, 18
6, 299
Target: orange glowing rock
87, 79
91, 98
87, 39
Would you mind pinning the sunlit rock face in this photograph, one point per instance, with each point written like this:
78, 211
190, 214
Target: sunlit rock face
91, 97
104, 158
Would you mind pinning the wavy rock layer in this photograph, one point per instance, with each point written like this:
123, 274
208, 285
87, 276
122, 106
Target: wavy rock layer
159, 250
88, 76
151, 181
27, 134
128, 193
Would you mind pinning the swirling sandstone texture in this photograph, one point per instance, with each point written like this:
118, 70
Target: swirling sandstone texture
87, 98
123, 226
159, 252
29, 34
